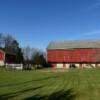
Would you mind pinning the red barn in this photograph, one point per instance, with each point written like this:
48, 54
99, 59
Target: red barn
74, 54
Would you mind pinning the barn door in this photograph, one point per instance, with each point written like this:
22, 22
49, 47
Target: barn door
59, 65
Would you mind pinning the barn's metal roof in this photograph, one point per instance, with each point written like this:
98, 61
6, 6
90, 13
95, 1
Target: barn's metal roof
74, 44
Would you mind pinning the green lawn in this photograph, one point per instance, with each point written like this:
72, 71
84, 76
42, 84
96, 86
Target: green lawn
75, 84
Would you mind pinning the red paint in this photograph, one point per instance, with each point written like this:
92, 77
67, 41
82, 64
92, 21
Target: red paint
86, 55
2, 55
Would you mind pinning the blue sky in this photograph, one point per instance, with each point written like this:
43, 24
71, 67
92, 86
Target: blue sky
37, 22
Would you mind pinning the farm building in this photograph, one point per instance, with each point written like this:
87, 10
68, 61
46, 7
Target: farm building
2, 57
68, 54
7, 57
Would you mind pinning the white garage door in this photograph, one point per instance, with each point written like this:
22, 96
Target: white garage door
59, 65
67, 65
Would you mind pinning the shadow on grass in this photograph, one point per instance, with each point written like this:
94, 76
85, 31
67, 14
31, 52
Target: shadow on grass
14, 94
26, 82
60, 95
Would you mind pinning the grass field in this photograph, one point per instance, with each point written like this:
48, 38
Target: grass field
75, 84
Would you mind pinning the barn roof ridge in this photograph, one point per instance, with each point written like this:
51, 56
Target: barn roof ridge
74, 44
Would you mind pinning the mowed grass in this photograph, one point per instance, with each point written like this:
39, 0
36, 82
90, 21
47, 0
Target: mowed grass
73, 84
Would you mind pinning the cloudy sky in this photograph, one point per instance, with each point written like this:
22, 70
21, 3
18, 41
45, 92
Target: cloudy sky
37, 22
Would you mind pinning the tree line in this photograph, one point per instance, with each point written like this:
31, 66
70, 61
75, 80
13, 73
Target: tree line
26, 55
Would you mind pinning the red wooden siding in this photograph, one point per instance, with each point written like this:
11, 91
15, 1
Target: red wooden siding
2, 55
74, 55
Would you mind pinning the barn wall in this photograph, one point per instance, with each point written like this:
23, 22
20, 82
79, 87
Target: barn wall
75, 55
2, 58
2, 63
2, 55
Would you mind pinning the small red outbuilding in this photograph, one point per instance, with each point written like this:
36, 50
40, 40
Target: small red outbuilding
7, 57
2, 57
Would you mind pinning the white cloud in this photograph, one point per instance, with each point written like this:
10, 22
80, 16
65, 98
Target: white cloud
94, 6
92, 33
88, 35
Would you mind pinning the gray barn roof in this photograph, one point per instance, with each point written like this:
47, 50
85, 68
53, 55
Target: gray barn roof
74, 44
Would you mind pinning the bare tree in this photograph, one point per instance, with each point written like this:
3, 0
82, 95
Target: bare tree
2, 40
28, 53
8, 40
